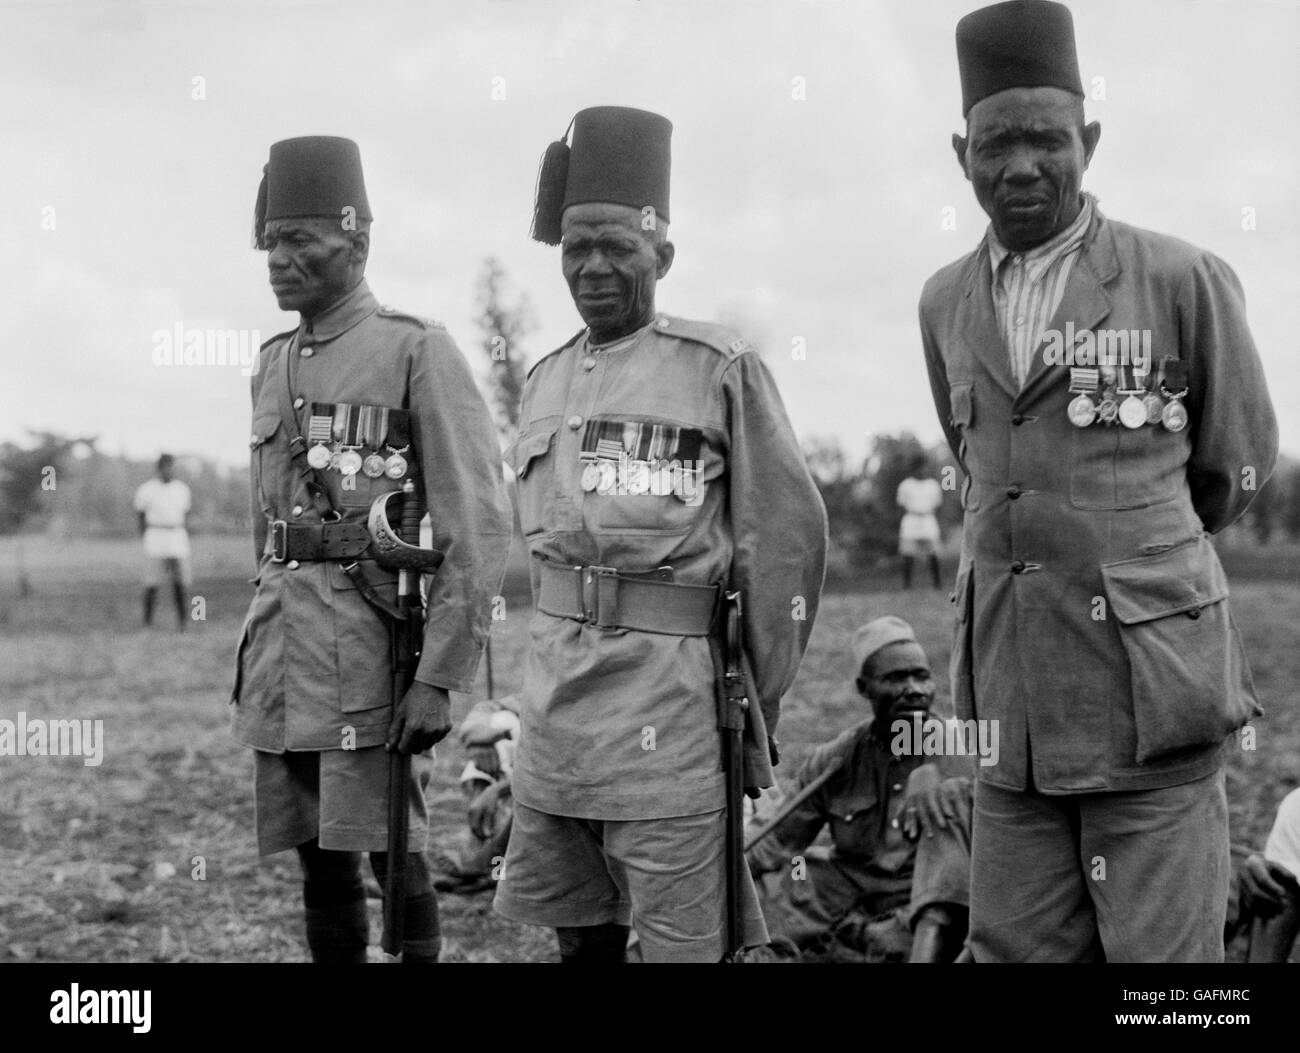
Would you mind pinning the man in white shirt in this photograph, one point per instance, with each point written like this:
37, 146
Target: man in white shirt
918, 534
163, 505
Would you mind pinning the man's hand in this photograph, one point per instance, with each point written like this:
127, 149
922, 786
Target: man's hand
1265, 887
421, 719
931, 803
485, 759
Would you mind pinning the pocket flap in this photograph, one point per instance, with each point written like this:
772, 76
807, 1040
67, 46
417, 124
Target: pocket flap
1184, 578
263, 429
529, 446
963, 409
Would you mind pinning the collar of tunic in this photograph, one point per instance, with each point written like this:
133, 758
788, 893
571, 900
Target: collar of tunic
345, 314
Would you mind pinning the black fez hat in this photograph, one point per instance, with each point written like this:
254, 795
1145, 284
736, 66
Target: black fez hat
619, 155
1017, 44
314, 175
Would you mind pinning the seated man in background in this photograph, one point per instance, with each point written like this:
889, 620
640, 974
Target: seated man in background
895, 884
488, 733
1265, 892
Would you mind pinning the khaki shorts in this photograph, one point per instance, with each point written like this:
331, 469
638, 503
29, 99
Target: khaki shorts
665, 877
339, 797
176, 569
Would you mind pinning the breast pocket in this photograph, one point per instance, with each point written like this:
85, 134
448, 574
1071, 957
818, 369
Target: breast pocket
659, 481
1189, 680
361, 639
1114, 468
261, 464
530, 459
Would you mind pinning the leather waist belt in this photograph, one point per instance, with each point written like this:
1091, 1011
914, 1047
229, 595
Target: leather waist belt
316, 541
651, 603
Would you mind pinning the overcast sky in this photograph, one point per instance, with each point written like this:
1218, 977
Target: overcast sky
816, 218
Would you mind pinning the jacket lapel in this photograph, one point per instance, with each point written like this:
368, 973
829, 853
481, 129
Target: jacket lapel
976, 322
1085, 301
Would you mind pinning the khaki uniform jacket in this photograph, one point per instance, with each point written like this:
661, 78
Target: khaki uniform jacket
860, 803
313, 656
621, 724
1092, 613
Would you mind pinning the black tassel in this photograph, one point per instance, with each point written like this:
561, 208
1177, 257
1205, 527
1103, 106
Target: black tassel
259, 214
552, 174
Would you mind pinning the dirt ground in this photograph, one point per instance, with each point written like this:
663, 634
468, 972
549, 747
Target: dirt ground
149, 856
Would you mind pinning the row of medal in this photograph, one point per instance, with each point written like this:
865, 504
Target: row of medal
337, 433
1117, 394
658, 478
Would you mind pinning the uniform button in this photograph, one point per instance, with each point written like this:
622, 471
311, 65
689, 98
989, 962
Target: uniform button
589, 363
1194, 613
575, 422
894, 824
307, 352
1018, 419
661, 322
898, 786
1017, 260
298, 402
1018, 567
297, 511
252, 442
1020, 320
292, 564
1013, 492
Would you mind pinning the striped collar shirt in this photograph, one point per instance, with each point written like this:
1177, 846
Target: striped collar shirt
1028, 286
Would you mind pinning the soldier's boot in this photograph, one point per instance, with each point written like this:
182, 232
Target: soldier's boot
150, 598
422, 933
591, 944
334, 901
939, 934
182, 604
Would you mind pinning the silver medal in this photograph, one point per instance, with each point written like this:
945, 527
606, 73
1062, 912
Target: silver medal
1132, 413
395, 466
318, 456
1082, 411
349, 462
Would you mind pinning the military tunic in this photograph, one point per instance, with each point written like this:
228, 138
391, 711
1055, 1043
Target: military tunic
313, 656
619, 724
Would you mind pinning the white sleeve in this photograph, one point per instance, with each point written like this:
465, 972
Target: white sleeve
1284, 842
141, 497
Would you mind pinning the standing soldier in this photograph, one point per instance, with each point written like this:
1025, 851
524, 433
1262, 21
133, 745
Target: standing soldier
1100, 388
163, 507
655, 467
348, 406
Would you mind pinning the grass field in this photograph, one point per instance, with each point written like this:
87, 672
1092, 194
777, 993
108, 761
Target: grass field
100, 863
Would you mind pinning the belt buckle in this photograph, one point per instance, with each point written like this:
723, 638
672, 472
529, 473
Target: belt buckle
589, 587
279, 540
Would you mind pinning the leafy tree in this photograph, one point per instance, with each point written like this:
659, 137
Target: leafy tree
505, 319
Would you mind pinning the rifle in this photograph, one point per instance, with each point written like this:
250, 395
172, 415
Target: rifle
733, 704
406, 636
